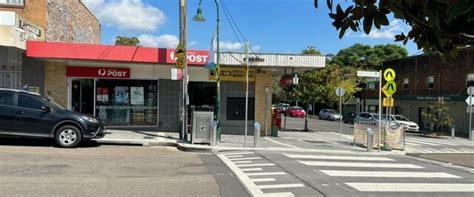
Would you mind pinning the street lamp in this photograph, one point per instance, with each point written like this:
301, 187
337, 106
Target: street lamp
200, 18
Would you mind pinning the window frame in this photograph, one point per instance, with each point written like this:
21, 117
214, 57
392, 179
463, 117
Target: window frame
13, 99
428, 82
21, 4
406, 83
31, 97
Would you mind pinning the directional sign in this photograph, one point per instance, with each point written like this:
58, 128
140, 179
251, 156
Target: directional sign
340, 91
470, 100
362, 73
389, 88
388, 102
389, 74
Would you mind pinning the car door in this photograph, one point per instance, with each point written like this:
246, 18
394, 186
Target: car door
31, 118
7, 110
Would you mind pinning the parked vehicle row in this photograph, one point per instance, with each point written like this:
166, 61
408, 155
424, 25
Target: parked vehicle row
29, 114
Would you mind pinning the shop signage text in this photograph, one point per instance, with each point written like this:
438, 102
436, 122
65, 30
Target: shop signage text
255, 59
98, 72
233, 74
29, 27
194, 57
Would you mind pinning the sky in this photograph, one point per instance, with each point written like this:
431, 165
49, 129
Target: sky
270, 26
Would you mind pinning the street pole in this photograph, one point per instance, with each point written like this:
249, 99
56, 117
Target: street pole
218, 74
470, 115
246, 91
182, 39
380, 107
340, 114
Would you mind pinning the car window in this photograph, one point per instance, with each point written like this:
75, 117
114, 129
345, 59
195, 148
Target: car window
29, 102
364, 115
6, 98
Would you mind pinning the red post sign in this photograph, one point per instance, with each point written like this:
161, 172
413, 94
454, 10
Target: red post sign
98, 72
194, 57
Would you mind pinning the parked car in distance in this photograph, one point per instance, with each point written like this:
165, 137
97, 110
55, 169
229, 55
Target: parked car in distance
282, 107
349, 117
295, 111
409, 125
372, 118
329, 114
27, 114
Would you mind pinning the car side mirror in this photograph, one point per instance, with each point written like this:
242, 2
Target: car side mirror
46, 109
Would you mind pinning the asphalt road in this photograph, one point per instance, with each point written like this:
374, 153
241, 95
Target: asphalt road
35, 168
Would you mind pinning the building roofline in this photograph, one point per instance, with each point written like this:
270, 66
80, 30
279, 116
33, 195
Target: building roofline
80, 1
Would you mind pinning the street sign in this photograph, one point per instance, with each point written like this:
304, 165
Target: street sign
389, 88
362, 73
470, 90
180, 54
388, 102
470, 100
340, 91
389, 74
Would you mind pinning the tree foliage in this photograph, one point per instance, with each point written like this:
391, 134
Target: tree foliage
127, 41
311, 50
436, 25
438, 116
366, 57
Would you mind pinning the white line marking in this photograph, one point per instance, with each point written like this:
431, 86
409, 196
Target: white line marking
421, 142
412, 187
391, 174
360, 165
466, 150
234, 156
338, 157
241, 162
265, 173
283, 144
251, 169
255, 165
263, 180
280, 194
439, 141
451, 150
277, 186
237, 153
429, 150
245, 158
413, 144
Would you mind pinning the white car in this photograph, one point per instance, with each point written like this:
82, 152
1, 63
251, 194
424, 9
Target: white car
409, 125
329, 114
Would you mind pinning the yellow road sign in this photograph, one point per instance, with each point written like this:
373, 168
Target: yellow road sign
388, 102
389, 74
180, 54
389, 88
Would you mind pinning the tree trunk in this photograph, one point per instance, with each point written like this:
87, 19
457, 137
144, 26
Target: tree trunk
306, 120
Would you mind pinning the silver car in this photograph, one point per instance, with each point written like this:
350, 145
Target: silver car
329, 114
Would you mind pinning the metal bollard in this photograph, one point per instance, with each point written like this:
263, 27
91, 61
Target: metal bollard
453, 132
370, 140
213, 135
256, 139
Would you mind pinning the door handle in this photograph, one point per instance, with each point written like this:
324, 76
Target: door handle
20, 112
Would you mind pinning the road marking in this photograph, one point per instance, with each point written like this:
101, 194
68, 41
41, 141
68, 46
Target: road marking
241, 162
429, 150
251, 169
421, 142
265, 173
438, 141
234, 156
466, 150
391, 174
413, 144
237, 153
255, 165
359, 165
451, 150
245, 158
278, 186
283, 144
412, 187
337, 157
263, 180
280, 194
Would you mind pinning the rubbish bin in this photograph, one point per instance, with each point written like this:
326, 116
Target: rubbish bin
201, 127
370, 140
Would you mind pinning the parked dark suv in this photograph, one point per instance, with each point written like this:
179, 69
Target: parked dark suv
28, 114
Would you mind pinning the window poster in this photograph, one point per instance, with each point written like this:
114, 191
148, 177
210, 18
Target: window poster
137, 97
121, 95
99, 94
105, 95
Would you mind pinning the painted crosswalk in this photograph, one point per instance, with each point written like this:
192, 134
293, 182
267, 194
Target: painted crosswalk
383, 173
437, 145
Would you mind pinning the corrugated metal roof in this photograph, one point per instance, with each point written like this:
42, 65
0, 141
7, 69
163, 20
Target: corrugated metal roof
274, 60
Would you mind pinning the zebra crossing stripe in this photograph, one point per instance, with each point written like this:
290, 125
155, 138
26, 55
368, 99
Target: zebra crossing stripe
412, 187
265, 173
255, 165
245, 158
263, 180
421, 142
465, 150
338, 157
280, 194
238, 153
439, 141
359, 165
387, 174
251, 169
278, 186
241, 162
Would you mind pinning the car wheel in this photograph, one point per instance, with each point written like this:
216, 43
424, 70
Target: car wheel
68, 136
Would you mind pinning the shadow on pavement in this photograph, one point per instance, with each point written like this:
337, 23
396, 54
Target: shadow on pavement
39, 142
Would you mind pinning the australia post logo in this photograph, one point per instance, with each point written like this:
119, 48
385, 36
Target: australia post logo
112, 73
194, 57
98, 72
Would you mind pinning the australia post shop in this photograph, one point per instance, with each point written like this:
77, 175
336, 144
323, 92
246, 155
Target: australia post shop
128, 86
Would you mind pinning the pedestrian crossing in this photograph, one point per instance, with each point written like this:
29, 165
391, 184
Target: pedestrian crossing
436, 145
383, 173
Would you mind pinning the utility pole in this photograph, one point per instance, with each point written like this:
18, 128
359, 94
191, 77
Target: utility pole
182, 40
246, 91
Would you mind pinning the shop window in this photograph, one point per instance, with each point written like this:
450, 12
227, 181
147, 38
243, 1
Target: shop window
371, 86
430, 82
13, 2
406, 82
236, 108
6, 98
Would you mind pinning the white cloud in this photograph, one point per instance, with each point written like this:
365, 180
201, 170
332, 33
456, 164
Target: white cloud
235, 46
163, 41
389, 32
193, 43
133, 15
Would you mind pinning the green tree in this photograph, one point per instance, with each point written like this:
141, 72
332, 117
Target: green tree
311, 50
438, 116
127, 41
436, 25
366, 57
